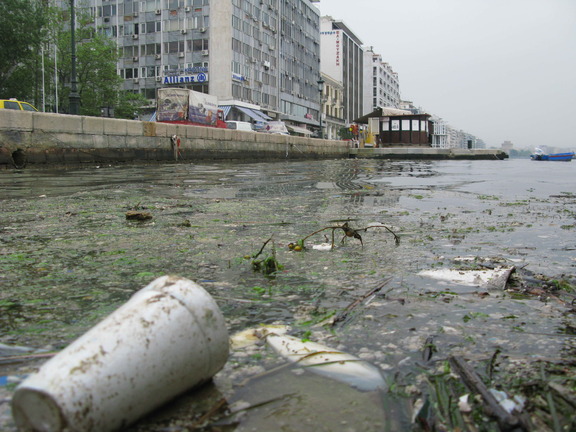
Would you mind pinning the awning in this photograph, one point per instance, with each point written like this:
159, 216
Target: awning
255, 114
386, 112
298, 129
226, 109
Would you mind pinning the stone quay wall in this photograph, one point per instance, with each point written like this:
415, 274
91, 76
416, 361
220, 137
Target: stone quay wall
46, 138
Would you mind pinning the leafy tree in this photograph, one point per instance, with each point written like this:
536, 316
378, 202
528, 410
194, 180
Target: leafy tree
99, 84
130, 105
98, 81
22, 31
34, 35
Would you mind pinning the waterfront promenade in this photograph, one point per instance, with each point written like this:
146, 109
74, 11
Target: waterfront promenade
45, 138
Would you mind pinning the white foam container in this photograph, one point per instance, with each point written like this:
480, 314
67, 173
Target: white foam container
168, 338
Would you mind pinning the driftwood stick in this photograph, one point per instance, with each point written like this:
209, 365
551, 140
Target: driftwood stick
506, 421
341, 316
563, 392
261, 249
24, 357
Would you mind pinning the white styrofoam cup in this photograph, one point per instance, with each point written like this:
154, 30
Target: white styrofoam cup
168, 338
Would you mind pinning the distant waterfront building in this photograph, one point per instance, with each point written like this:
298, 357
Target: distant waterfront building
507, 146
381, 85
332, 107
342, 58
263, 53
440, 133
392, 127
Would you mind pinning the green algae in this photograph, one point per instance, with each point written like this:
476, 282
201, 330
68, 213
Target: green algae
69, 259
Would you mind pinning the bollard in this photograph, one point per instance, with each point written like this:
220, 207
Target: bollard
168, 338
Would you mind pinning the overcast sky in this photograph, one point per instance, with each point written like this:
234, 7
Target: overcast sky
498, 69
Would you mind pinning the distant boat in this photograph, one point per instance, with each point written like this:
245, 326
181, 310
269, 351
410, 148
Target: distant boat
540, 155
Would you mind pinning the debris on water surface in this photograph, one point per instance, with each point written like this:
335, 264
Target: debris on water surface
138, 215
313, 356
492, 400
344, 314
254, 335
486, 278
328, 362
348, 232
269, 264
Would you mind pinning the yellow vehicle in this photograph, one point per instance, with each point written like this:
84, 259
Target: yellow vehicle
16, 105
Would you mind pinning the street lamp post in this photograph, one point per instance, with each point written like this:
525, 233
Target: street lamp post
74, 98
321, 90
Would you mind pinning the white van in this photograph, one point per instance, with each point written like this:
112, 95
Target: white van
239, 125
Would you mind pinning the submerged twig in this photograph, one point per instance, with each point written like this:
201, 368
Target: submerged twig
25, 357
269, 264
348, 232
256, 255
396, 237
343, 314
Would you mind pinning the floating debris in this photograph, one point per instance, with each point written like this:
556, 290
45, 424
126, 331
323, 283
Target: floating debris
491, 279
328, 362
138, 215
254, 335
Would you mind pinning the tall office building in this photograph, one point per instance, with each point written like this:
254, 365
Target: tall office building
381, 85
343, 60
252, 53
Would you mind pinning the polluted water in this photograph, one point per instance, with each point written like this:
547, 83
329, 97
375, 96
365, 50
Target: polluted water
387, 262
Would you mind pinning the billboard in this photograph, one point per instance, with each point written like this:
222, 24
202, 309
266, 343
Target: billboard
202, 108
172, 104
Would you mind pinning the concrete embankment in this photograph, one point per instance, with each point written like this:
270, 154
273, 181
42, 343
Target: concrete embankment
46, 138
414, 153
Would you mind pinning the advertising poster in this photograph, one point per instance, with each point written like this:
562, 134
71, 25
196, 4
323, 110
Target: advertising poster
172, 104
202, 108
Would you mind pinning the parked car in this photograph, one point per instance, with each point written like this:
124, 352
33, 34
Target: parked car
239, 125
276, 127
15, 104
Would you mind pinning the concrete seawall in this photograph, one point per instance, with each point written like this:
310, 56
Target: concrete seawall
428, 153
46, 138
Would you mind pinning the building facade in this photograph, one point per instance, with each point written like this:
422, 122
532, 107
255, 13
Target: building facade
381, 85
440, 133
343, 59
264, 53
332, 107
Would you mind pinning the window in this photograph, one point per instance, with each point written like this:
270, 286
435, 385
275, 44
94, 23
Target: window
199, 44
152, 26
11, 105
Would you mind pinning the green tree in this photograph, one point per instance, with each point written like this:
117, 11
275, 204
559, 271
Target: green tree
22, 31
34, 35
129, 105
99, 84
98, 81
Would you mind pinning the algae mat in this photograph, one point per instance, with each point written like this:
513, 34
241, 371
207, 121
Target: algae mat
69, 257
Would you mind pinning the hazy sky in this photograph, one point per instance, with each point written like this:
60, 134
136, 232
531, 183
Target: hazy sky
498, 69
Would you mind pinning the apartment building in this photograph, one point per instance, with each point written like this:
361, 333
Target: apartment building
381, 85
332, 107
262, 54
343, 60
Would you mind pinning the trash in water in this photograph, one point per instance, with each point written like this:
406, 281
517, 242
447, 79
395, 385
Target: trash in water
488, 278
516, 403
168, 338
328, 362
254, 335
138, 215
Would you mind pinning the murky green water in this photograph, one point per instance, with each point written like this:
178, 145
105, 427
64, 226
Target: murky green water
69, 257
